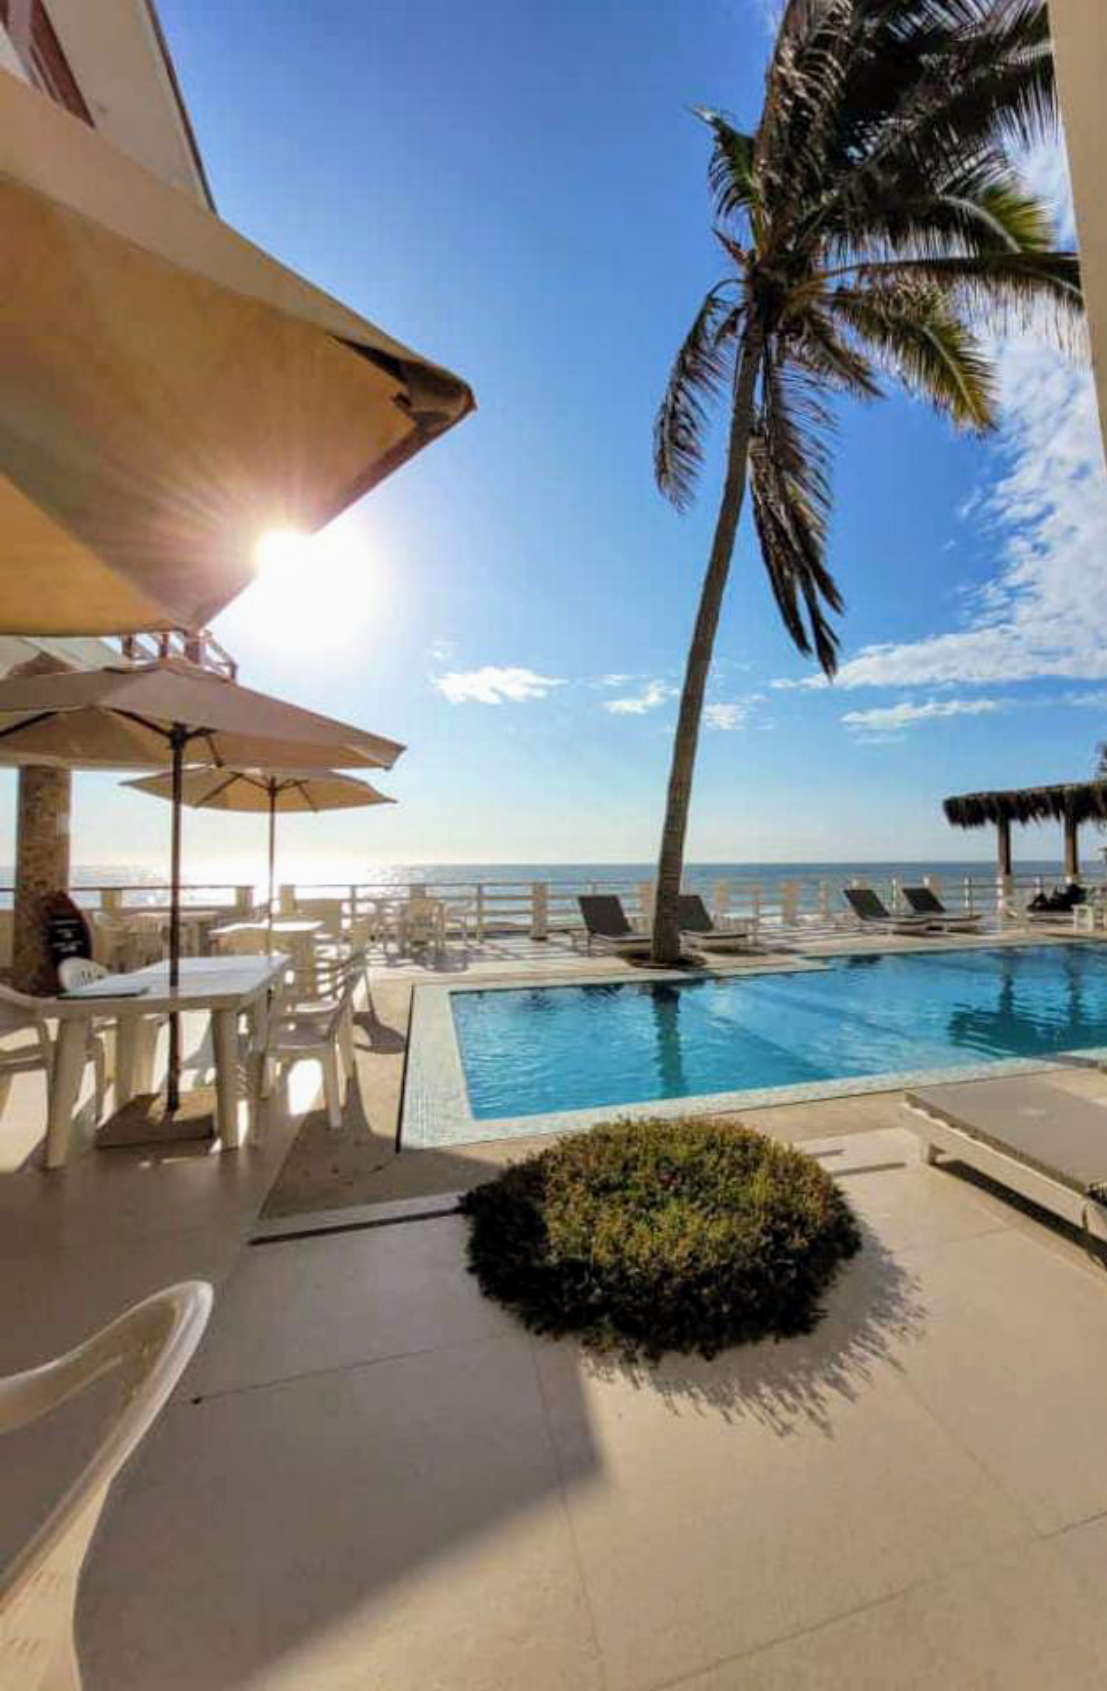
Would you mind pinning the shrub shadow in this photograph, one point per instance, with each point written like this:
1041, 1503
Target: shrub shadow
872, 1311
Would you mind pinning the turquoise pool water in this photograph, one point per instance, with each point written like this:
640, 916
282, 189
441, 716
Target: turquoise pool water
537, 1050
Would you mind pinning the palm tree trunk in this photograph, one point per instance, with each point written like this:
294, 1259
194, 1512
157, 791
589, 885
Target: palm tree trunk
670, 866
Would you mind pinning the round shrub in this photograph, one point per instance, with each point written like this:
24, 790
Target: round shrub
661, 1235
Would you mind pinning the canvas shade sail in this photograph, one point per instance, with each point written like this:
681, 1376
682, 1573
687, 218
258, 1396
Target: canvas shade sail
170, 392
121, 718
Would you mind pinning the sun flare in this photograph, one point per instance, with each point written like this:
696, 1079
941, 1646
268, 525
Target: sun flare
313, 587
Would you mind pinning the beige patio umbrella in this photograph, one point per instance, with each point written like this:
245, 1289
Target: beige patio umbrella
265, 791
170, 392
130, 717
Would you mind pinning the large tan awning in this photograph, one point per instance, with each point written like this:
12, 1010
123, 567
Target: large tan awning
170, 392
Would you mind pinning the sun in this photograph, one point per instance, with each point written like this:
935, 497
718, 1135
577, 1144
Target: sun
312, 588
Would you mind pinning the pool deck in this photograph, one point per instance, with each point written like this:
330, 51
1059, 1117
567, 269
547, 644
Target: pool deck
371, 1476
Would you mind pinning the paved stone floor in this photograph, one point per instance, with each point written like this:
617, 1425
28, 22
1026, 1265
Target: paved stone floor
372, 1477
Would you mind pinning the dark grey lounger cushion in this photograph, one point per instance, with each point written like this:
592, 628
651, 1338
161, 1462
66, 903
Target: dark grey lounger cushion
1061, 1136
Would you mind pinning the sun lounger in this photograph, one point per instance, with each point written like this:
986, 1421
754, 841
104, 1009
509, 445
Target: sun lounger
871, 912
697, 927
925, 902
1047, 1145
606, 926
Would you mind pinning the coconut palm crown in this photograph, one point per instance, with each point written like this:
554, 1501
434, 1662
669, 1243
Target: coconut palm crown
875, 224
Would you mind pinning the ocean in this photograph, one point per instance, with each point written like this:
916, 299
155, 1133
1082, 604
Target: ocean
699, 877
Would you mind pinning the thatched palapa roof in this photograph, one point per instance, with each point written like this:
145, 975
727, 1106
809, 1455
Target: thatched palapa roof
1080, 801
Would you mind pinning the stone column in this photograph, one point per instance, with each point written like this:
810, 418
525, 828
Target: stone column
41, 867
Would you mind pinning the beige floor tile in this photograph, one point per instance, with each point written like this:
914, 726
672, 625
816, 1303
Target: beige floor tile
353, 1297
1016, 1623
1084, 1551
768, 1491
397, 1526
1012, 1359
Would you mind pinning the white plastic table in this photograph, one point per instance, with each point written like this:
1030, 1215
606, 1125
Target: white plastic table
223, 987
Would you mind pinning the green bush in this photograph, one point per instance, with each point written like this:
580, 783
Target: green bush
650, 1236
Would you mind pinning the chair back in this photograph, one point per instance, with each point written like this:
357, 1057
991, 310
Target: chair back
75, 972
604, 915
693, 915
147, 1350
866, 904
247, 943
328, 911
924, 902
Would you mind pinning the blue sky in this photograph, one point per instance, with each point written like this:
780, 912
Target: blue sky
518, 189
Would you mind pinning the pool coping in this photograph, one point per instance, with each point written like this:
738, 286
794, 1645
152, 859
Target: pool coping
435, 1113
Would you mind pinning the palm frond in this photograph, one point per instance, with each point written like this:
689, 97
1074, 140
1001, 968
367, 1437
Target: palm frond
730, 173
789, 485
1000, 292
931, 86
910, 330
698, 376
812, 342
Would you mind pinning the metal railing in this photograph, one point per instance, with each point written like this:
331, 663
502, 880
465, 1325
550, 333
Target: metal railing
541, 909
202, 648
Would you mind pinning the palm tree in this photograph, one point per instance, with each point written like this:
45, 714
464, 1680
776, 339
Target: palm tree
876, 221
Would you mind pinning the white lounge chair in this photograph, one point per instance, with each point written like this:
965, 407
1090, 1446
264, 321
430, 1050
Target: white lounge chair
147, 1349
1049, 1146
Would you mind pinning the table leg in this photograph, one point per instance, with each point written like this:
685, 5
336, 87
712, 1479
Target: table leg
126, 1057
65, 1083
224, 1039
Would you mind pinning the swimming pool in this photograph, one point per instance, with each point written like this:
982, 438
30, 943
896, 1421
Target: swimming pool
545, 1050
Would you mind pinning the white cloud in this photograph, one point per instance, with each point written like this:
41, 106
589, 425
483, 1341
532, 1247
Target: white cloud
727, 717
491, 685
893, 719
441, 651
654, 694
613, 680
1043, 612
804, 682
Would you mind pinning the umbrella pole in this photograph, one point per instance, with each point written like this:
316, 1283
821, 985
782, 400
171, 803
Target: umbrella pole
177, 740
272, 851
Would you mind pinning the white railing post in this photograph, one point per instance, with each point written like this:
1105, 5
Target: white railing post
244, 899
539, 910
480, 911
720, 900
824, 900
286, 898
789, 903
647, 894
111, 898
755, 905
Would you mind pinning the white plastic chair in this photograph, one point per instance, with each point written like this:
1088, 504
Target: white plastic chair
422, 922
148, 1348
20, 1013
323, 1031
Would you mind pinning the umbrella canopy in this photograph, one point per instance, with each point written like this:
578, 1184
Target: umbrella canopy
125, 717
170, 393
94, 719
261, 790
269, 791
